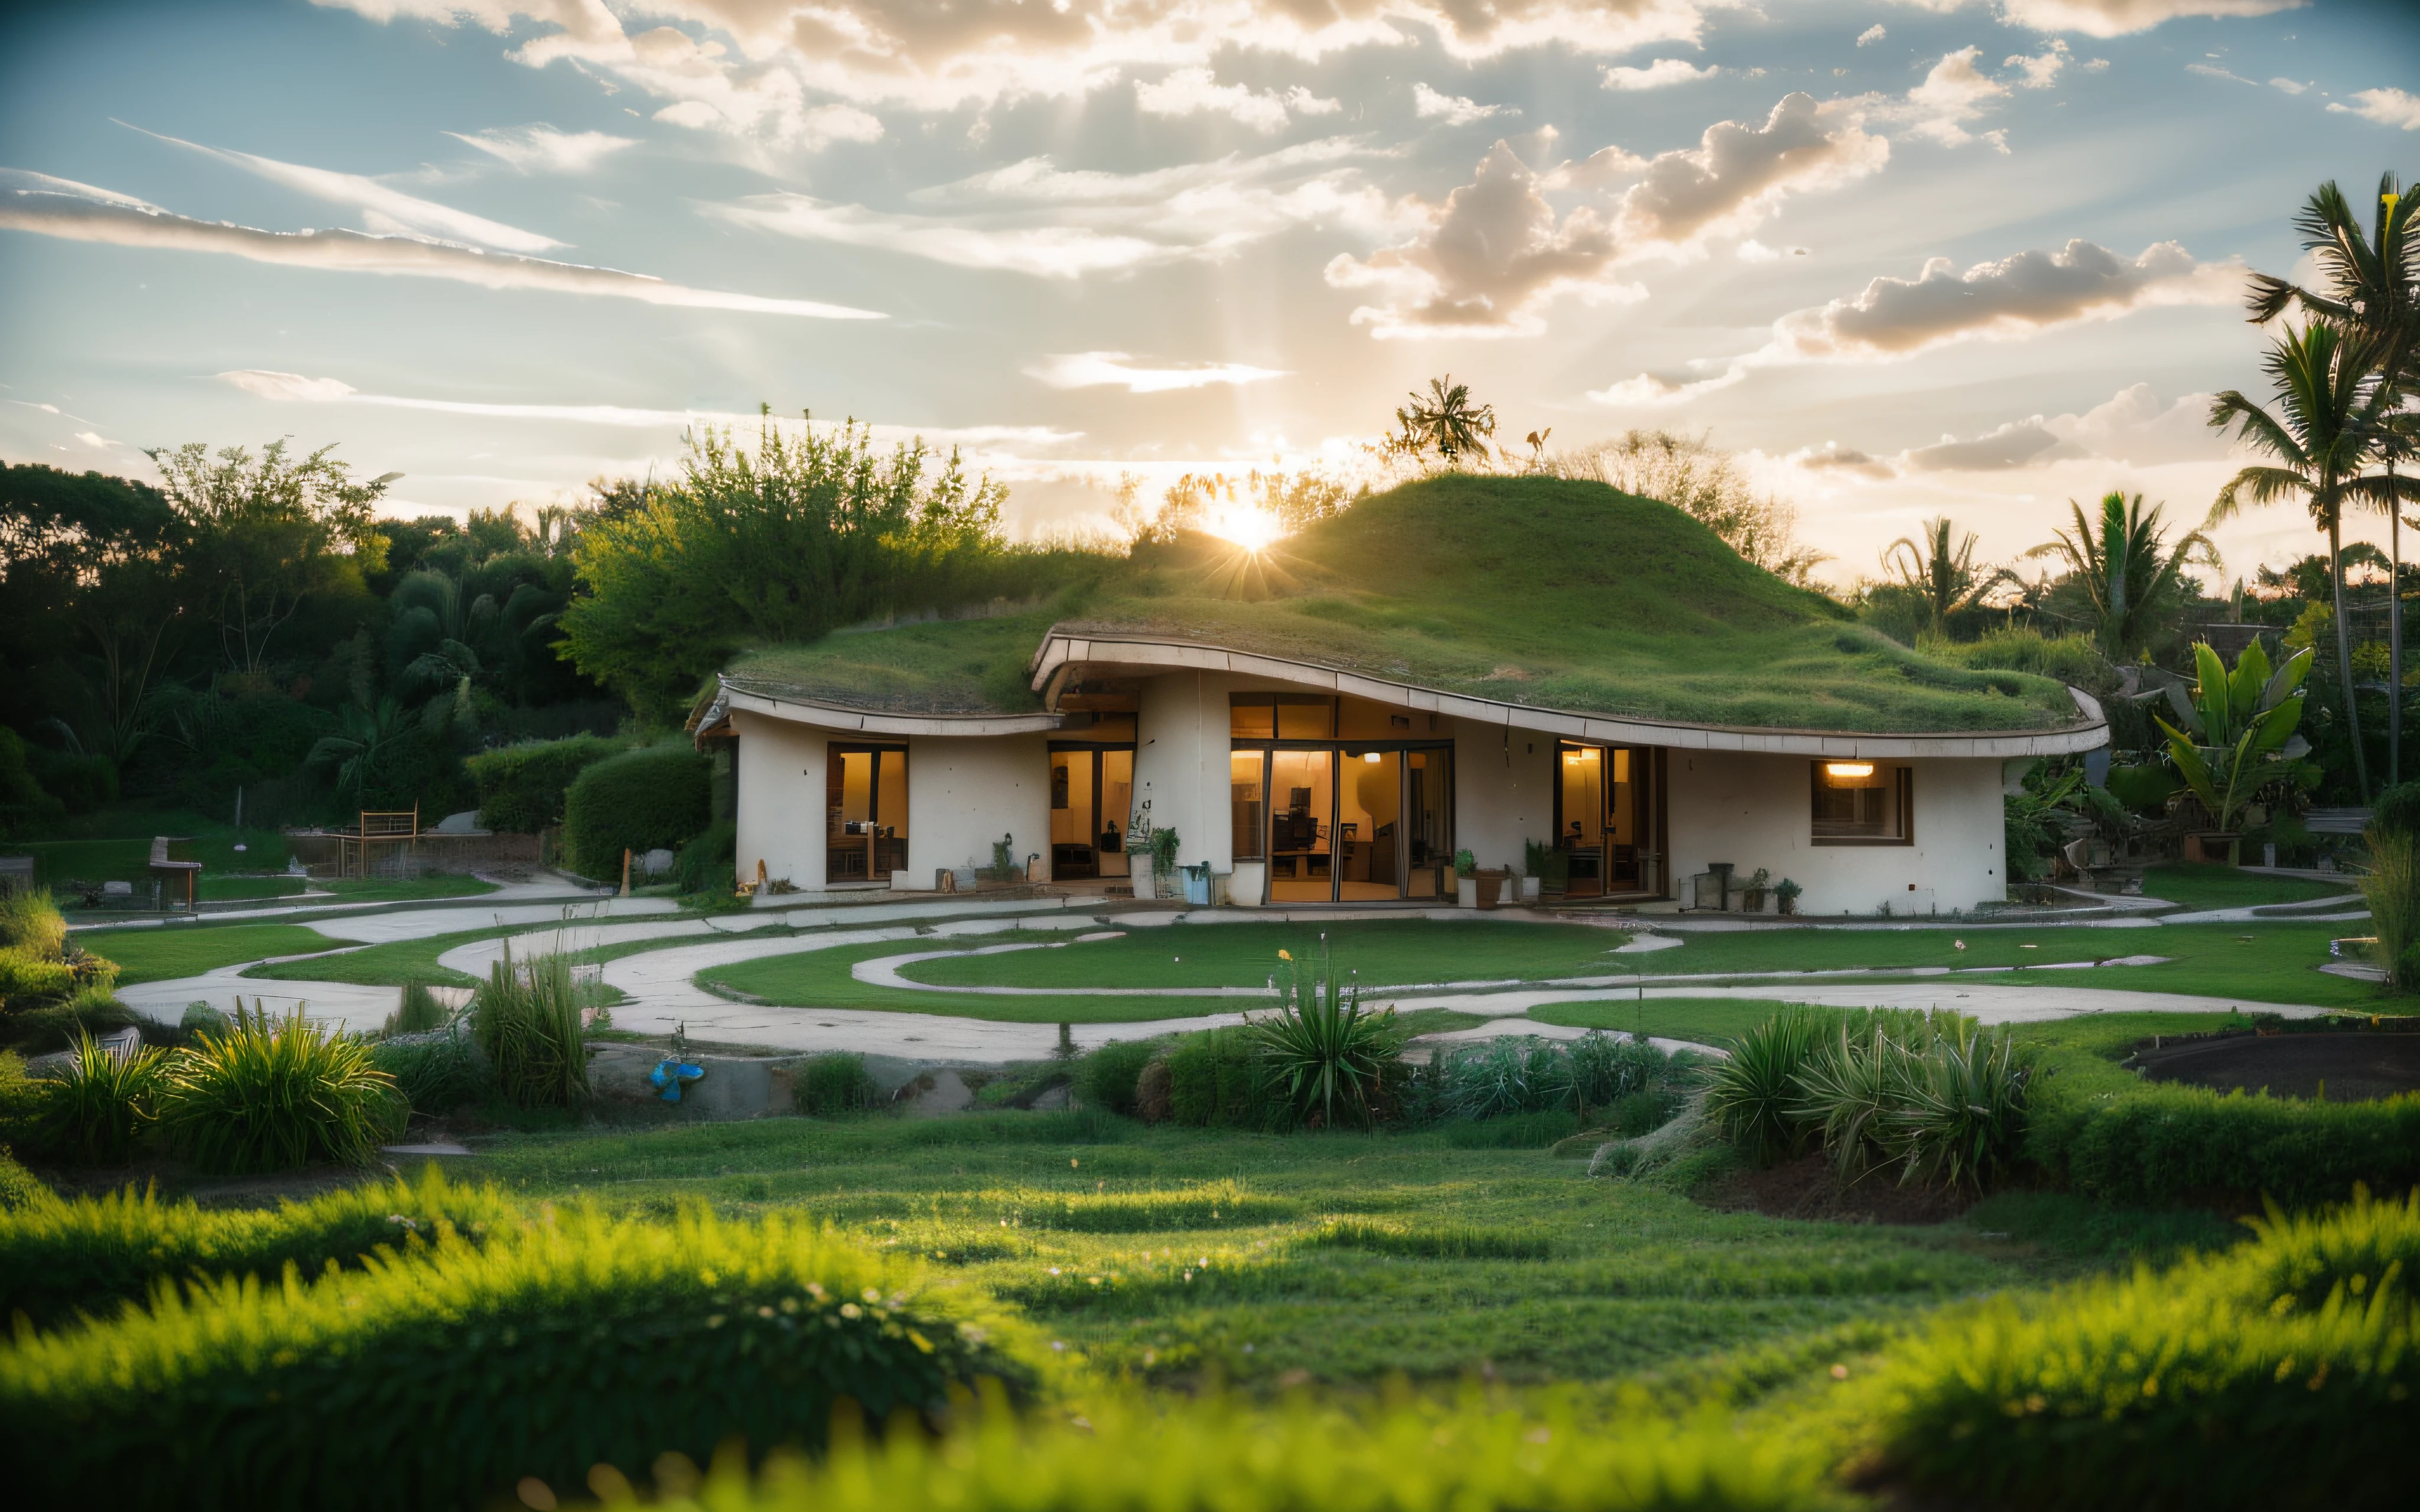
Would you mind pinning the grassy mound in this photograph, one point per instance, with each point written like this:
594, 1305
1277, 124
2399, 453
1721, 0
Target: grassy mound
439, 1379
62, 1256
1540, 591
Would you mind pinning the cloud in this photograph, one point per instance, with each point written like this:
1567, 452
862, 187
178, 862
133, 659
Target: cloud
809, 130
2117, 18
1656, 75
2387, 107
1196, 92
1494, 252
295, 388
760, 60
1737, 175
2042, 70
1648, 391
1872, 35
2291, 86
1034, 218
1952, 94
59, 207
1455, 111
1089, 370
2132, 426
383, 210
1832, 456
2211, 72
2012, 299
543, 149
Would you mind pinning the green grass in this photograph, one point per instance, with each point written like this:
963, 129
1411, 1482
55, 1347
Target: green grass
1367, 1255
390, 964
2224, 887
171, 951
1541, 592
1716, 1021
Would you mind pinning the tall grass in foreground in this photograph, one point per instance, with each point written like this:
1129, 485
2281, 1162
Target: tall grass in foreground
527, 1017
2392, 888
269, 1095
418, 1013
440, 1379
59, 1256
31, 923
2280, 1374
1416, 1456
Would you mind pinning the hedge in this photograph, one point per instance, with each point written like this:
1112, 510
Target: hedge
521, 787
2112, 1134
440, 1380
1410, 1456
2279, 1374
637, 801
1107, 1078
62, 1256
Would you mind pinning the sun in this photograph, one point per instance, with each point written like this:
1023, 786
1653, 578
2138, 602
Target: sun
1249, 526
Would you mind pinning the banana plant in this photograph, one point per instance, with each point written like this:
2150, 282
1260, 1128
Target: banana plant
2236, 736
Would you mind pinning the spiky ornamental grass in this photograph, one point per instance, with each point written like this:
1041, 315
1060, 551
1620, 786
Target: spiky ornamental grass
95, 1113
438, 1380
271, 1095
62, 1256
1414, 1456
528, 1017
1330, 1055
2280, 1374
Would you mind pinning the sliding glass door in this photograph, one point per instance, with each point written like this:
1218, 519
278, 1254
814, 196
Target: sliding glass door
1605, 820
1092, 790
1344, 822
1302, 826
866, 812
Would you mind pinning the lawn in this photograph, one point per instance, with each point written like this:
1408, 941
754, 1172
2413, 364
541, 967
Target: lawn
1102, 1229
169, 950
2261, 961
390, 964
2224, 887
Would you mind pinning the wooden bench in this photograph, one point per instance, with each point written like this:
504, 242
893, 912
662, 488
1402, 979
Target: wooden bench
167, 869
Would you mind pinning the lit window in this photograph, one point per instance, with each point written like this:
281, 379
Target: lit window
1866, 803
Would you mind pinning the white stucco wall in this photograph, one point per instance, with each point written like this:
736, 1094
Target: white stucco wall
1755, 810
964, 794
1504, 794
1181, 766
781, 799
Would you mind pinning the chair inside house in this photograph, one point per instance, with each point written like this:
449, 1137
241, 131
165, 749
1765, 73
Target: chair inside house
1297, 848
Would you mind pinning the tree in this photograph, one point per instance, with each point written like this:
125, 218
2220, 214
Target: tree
263, 535
2369, 286
1942, 577
1443, 421
2127, 568
2321, 436
1704, 483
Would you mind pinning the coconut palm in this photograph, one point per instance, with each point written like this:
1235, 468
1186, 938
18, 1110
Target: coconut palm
2126, 566
2368, 286
1942, 576
2323, 435
1444, 419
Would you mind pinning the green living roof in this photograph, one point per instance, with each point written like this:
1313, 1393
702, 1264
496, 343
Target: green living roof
1541, 592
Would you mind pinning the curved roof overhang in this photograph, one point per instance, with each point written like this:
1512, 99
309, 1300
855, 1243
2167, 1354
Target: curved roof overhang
1062, 654
713, 718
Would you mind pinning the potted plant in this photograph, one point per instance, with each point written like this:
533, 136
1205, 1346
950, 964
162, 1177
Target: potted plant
1787, 892
2235, 737
1465, 879
1752, 890
1163, 859
1491, 881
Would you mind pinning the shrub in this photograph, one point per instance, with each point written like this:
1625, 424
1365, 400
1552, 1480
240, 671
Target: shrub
1508, 1074
1963, 1111
1598, 1070
2277, 1375
1110, 1077
1749, 1096
523, 787
1219, 1079
30, 921
2392, 888
436, 1072
419, 1013
85, 1254
19, 1188
439, 1380
270, 1097
527, 1017
26, 979
202, 1018
94, 1113
704, 864
833, 1087
636, 801
1329, 1055
81, 783
1408, 1456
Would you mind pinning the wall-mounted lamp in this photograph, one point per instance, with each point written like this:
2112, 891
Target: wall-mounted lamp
1848, 768
1371, 757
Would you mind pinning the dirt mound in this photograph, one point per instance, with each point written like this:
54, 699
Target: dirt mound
2344, 1068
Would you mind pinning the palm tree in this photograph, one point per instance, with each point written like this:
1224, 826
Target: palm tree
366, 736
2126, 567
1444, 419
2323, 435
2370, 284
1942, 576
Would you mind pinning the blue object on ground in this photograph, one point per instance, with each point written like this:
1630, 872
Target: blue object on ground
669, 1074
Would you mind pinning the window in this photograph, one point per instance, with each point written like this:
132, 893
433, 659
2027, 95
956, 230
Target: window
866, 812
1863, 803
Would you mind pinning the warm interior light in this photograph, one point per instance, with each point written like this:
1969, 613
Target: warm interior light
1370, 756
1848, 768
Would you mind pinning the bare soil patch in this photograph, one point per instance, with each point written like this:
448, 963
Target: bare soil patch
1808, 1188
2344, 1068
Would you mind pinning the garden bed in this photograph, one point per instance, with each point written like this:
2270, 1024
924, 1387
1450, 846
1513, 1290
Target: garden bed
2338, 1066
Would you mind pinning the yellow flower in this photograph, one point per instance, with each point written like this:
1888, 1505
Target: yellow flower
1285, 955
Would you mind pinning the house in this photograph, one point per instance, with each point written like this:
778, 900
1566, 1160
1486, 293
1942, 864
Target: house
1460, 663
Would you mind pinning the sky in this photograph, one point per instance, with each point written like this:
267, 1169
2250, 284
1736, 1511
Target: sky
1903, 257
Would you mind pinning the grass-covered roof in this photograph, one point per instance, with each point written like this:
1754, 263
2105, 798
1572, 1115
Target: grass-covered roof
1540, 591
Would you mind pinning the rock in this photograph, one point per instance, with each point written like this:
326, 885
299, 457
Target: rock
656, 862
947, 1093
1053, 1100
